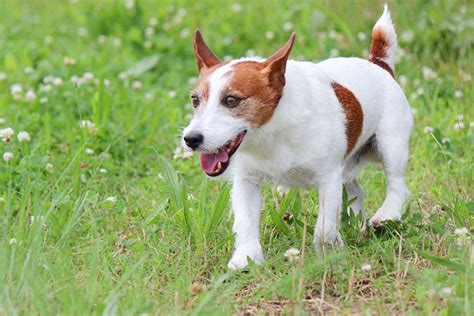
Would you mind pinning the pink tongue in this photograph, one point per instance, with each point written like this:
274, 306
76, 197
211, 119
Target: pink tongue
209, 161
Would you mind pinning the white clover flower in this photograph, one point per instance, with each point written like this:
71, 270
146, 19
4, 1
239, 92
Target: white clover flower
445, 291
361, 36
111, 199
7, 156
23, 137
184, 33
137, 85
89, 151
172, 93
153, 21
458, 94
334, 52
187, 154
117, 42
333, 34
403, 80
458, 126
69, 61
45, 88
428, 73
13, 242
428, 130
2, 120
288, 26
48, 79
28, 70
30, 96
366, 267
149, 96
89, 126
471, 124
123, 76
292, 254
7, 134
269, 35
181, 12
130, 4
237, 7
281, 190
43, 100
88, 76
16, 91
149, 31
3, 76
106, 83
103, 170
445, 140
102, 39
49, 167
408, 36
58, 82
461, 231
2, 200
460, 117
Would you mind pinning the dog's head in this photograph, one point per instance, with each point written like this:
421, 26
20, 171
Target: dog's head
230, 100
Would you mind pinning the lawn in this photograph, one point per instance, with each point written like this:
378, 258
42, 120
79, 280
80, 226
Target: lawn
101, 212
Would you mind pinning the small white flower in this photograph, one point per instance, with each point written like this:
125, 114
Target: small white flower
403, 80
190, 197
23, 137
16, 90
366, 267
428, 130
445, 140
149, 31
49, 167
3, 76
117, 42
269, 35
103, 170
292, 255
149, 96
408, 36
89, 151
13, 242
58, 82
361, 36
43, 100
2, 200
153, 21
111, 199
7, 134
237, 7
428, 73
458, 94
458, 126
45, 88
288, 26
69, 61
102, 39
445, 291
106, 83
471, 124
282, 190
2, 120
184, 33
172, 93
88, 76
83, 178
90, 126
8, 156
130, 4
334, 52
28, 70
460, 117
461, 231
137, 85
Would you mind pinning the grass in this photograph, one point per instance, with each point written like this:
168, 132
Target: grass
127, 229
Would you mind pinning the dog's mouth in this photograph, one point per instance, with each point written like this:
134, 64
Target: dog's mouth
216, 163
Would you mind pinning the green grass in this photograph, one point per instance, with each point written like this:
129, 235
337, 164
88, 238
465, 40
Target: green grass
162, 244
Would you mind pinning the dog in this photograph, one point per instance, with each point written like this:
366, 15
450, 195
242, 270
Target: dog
301, 124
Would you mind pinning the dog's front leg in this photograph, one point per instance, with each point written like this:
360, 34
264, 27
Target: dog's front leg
326, 233
246, 204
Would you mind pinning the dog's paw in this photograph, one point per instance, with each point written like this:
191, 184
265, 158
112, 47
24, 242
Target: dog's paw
380, 218
328, 242
239, 258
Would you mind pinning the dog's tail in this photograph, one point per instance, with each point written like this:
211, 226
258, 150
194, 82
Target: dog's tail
384, 42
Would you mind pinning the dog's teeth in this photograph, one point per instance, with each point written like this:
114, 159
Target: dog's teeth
219, 165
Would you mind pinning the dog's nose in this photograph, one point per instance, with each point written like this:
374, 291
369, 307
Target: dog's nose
193, 140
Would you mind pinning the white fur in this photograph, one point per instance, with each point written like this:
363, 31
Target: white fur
304, 144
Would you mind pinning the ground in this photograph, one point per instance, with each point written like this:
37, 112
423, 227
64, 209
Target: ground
101, 213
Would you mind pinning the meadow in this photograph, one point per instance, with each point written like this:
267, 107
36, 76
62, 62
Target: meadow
102, 212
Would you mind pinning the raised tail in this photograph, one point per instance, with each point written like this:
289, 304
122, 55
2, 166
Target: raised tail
384, 42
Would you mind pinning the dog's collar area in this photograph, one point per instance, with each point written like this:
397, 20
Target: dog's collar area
214, 164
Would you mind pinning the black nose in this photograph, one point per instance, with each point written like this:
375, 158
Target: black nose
193, 140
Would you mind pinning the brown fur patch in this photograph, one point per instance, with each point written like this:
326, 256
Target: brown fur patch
378, 50
353, 112
250, 82
202, 87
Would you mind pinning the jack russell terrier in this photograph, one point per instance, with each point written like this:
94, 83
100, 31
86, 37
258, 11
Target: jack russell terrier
301, 124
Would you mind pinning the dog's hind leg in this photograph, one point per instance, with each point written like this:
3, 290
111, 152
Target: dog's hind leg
392, 146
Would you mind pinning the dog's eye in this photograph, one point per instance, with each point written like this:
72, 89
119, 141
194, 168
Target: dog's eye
231, 101
195, 100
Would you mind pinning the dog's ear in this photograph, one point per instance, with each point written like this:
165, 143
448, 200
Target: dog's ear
204, 56
275, 65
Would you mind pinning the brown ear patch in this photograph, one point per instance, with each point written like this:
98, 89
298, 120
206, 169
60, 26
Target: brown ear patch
259, 98
378, 50
353, 112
